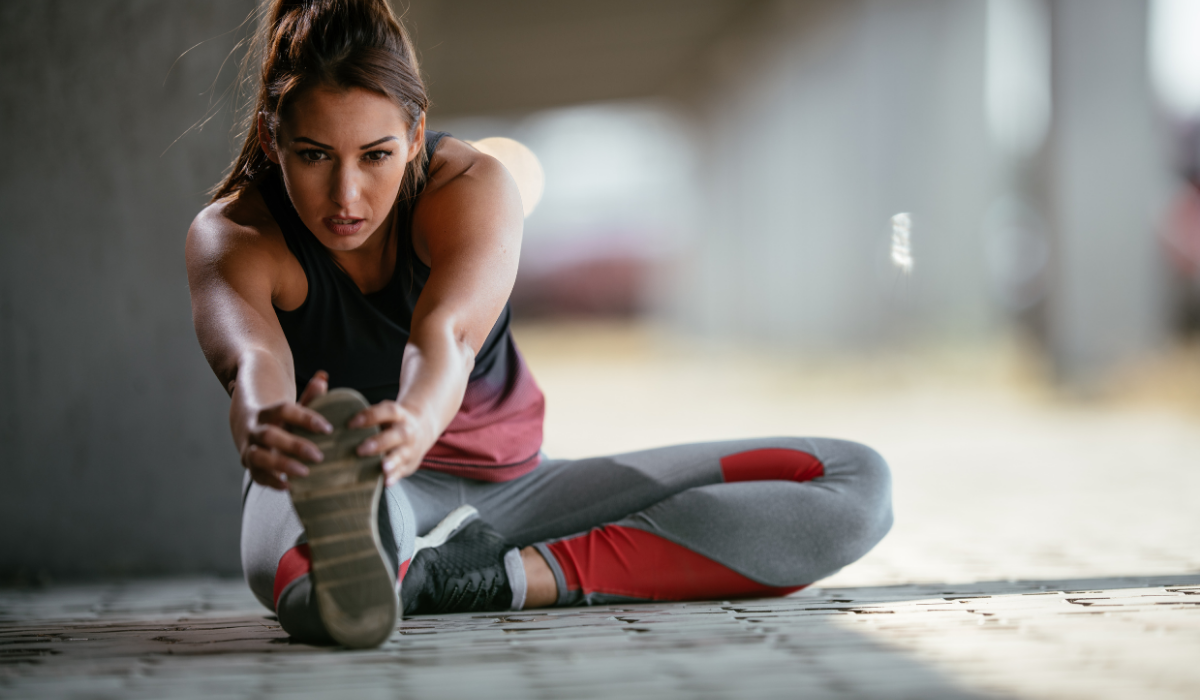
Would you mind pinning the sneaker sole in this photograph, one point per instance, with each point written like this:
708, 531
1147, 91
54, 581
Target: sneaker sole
338, 504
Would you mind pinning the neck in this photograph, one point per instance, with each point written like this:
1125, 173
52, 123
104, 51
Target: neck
372, 264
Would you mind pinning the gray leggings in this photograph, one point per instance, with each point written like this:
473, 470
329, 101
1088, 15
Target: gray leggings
701, 521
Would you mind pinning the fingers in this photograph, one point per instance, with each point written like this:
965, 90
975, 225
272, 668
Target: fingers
399, 442
272, 453
275, 438
274, 450
398, 465
397, 435
297, 415
380, 413
401, 456
396, 447
317, 386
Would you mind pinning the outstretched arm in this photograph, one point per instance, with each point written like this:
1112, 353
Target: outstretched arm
469, 220
231, 274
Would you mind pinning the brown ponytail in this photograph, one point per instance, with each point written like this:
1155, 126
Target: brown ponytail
335, 43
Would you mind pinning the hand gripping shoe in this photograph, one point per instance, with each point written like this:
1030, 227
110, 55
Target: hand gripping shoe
338, 503
463, 573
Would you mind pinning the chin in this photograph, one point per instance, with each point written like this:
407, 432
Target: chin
343, 243
335, 242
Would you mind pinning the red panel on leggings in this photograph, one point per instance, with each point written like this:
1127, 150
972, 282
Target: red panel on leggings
294, 563
771, 464
628, 562
297, 561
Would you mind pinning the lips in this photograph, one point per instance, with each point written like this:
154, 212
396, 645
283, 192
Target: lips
339, 226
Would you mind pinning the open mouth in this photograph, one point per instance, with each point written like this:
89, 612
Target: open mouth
343, 226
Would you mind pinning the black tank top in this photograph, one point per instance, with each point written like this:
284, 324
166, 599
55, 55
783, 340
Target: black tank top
359, 340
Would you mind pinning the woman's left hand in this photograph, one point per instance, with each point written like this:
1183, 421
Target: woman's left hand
403, 439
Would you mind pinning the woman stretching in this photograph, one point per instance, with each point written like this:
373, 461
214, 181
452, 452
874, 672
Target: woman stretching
351, 247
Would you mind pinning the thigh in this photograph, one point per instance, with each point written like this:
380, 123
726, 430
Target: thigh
565, 497
432, 496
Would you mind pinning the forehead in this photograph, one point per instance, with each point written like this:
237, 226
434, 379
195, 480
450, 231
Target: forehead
351, 114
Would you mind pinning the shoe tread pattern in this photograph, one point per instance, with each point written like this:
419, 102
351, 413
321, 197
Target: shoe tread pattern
338, 505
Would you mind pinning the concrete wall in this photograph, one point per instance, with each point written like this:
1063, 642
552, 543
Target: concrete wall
115, 455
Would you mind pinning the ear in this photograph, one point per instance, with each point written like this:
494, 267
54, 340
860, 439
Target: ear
266, 141
418, 139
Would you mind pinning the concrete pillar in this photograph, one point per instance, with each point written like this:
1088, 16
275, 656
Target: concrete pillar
1107, 173
820, 120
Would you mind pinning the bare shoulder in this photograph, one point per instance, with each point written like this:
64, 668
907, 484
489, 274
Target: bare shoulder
457, 168
469, 194
237, 231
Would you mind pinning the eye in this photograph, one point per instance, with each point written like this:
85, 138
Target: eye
376, 156
312, 155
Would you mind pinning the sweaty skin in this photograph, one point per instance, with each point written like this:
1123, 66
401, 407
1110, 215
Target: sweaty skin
342, 154
466, 227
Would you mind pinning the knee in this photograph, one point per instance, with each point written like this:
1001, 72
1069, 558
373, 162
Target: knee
865, 480
857, 465
873, 481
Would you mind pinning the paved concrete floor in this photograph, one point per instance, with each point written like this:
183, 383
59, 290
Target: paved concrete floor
1136, 637
1043, 549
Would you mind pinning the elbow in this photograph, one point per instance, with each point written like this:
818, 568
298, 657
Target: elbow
452, 332
226, 368
467, 352
464, 349
445, 338
245, 361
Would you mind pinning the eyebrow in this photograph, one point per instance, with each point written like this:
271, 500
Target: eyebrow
318, 144
376, 143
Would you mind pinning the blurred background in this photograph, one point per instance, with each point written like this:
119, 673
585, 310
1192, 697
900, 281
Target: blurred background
708, 257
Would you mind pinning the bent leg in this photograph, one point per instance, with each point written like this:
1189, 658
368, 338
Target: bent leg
747, 517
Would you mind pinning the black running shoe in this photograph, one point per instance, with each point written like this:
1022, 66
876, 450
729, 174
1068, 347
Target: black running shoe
465, 574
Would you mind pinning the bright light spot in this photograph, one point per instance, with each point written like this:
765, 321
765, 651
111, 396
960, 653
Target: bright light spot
1175, 54
1017, 85
902, 242
522, 164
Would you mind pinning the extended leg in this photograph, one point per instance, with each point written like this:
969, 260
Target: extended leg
277, 562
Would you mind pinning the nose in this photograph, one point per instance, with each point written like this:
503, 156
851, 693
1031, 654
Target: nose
345, 188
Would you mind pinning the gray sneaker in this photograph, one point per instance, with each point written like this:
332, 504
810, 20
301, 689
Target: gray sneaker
338, 503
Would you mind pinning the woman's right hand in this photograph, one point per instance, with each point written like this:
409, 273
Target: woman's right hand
269, 451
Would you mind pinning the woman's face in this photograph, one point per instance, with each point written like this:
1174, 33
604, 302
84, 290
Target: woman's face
343, 154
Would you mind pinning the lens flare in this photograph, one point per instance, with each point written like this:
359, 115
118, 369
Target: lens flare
521, 163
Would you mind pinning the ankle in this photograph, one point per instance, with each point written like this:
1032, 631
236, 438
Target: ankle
541, 591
